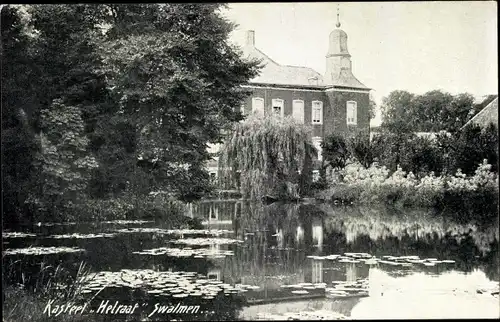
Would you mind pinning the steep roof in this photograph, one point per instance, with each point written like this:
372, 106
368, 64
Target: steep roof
347, 79
274, 73
487, 115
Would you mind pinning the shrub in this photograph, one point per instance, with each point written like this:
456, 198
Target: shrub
335, 151
375, 185
361, 149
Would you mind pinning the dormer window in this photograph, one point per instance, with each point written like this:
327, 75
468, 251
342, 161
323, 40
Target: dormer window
317, 112
278, 107
352, 113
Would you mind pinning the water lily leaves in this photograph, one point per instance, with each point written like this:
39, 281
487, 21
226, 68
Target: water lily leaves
82, 236
42, 250
206, 241
17, 235
185, 252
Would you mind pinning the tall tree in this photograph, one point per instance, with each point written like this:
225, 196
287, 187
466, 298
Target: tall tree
64, 162
143, 88
177, 82
19, 145
397, 111
430, 112
267, 155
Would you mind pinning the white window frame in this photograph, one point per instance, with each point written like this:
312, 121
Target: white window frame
315, 105
242, 109
315, 175
278, 102
214, 273
254, 109
294, 113
354, 120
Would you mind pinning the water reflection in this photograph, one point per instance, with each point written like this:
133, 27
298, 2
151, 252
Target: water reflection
452, 294
282, 244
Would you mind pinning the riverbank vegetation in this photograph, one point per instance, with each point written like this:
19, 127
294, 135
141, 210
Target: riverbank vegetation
26, 295
454, 168
103, 105
458, 192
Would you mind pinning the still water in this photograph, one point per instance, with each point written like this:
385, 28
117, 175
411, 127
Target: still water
304, 261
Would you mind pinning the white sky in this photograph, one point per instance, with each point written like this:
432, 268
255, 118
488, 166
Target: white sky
413, 46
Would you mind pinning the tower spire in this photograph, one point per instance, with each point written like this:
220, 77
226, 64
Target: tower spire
338, 16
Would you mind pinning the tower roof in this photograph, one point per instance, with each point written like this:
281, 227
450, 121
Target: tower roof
339, 67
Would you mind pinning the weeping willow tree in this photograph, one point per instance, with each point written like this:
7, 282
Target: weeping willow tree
269, 156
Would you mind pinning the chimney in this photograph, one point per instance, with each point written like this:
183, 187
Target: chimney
250, 38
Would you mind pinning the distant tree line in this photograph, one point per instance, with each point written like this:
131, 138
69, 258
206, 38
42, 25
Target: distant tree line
396, 142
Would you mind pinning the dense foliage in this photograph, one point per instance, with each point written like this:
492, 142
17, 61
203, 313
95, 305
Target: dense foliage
112, 102
272, 156
457, 192
430, 112
445, 153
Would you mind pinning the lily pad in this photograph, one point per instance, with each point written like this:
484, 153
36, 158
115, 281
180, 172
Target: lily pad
17, 235
43, 250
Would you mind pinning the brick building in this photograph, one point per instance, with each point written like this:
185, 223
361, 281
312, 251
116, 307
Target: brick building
334, 102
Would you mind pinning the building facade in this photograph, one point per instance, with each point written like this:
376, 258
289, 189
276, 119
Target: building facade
336, 102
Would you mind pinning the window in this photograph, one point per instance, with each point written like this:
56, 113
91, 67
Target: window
214, 275
242, 109
298, 110
258, 105
278, 107
317, 144
352, 113
213, 177
213, 213
317, 112
315, 175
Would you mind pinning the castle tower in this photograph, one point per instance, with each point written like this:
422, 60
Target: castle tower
338, 60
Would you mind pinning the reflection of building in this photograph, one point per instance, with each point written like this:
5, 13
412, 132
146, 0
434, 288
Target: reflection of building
317, 232
215, 214
214, 274
279, 238
317, 271
299, 235
351, 272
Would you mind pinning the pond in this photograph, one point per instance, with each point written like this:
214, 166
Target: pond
251, 261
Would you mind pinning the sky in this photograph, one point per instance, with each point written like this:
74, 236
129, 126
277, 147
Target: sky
413, 46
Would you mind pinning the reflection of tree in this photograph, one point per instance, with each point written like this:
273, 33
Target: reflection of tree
378, 231
268, 257
388, 232
418, 224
